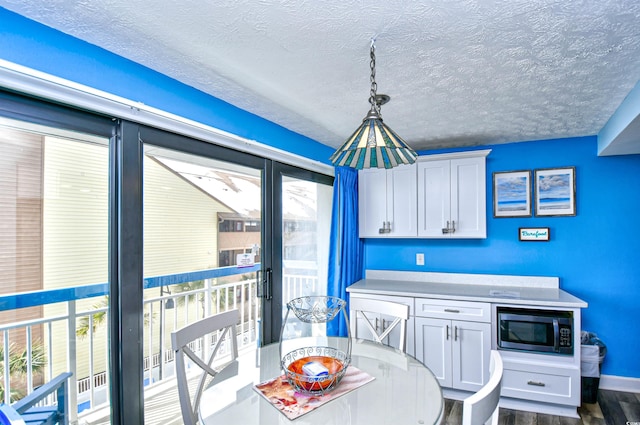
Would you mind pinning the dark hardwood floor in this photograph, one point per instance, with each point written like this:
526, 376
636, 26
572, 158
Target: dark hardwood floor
612, 408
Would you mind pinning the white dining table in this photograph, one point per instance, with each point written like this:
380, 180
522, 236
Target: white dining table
403, 391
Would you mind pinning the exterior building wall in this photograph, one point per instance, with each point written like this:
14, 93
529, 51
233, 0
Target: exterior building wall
20, 228
180, 234
75, 236
180, 223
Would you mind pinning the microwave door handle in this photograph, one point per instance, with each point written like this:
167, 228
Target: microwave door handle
556, 336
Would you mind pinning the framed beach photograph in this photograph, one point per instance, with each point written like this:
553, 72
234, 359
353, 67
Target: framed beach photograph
555, 191
512, 193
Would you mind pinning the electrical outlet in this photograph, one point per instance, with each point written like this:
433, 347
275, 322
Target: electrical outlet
420, 259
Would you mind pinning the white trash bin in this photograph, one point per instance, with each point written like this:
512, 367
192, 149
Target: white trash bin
591, 357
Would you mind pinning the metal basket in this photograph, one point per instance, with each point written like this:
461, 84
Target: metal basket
335, 360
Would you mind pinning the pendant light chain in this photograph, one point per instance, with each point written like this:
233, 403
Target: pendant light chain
374, 87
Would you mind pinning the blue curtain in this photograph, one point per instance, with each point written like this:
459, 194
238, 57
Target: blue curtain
345, 247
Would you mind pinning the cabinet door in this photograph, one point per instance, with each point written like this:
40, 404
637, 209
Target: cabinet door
471, 350
388, 196
468, 198
434, 197
403, 202
372, 201
433, 347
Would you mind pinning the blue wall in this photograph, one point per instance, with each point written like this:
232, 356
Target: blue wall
36, 46
596, 254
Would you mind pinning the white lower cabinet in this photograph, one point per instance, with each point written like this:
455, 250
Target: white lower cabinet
455, 351
536, 381
453, 339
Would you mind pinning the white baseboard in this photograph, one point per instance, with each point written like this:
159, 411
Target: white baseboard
619, 383
516, 404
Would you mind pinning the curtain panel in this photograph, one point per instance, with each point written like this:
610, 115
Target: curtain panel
345, 247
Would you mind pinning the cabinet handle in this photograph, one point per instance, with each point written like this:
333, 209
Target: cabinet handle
451, 310
447, 332
377, 324
455, 338
536, 383
386, 227
445, 230
451, 227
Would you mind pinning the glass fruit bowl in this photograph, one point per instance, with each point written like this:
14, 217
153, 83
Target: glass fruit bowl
318, 309
314, 362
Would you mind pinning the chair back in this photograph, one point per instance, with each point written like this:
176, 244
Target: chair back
37, 407
379, 318
482, 407
207, 348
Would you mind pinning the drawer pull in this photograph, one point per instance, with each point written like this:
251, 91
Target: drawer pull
537, 384
451, 310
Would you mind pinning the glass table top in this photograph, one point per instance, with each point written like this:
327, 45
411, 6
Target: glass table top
404, 391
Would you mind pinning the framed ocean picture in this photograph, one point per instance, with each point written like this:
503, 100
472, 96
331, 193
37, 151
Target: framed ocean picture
555, 191
512, 194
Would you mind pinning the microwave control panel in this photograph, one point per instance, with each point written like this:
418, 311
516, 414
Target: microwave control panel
565, 337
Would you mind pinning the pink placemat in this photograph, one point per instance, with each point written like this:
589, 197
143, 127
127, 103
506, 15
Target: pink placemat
293, 404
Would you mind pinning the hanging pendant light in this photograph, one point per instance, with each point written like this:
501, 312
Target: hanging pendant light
373, 144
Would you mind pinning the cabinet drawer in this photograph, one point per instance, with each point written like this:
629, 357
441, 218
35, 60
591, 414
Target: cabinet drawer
455, 310
552, 386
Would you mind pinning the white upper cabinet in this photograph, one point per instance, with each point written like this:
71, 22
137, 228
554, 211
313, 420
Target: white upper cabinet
452, 195
387, 202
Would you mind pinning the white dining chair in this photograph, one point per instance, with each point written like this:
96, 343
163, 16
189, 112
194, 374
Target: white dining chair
482, 407
207, 348
374, 315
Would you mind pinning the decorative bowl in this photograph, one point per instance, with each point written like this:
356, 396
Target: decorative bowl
334, 360
318, 309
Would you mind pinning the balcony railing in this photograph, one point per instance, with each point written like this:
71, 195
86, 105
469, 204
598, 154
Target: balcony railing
194, 295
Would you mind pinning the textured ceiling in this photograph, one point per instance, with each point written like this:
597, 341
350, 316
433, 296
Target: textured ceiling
459, 72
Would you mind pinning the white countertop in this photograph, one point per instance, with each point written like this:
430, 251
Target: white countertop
495, 289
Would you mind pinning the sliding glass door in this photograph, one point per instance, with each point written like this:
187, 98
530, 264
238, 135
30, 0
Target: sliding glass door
302, 221
115, 234
54, 251
203, 249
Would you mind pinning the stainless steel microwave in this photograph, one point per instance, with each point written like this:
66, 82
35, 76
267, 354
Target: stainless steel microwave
541, 331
